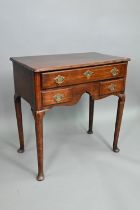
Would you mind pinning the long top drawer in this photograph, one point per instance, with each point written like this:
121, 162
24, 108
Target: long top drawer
82, 75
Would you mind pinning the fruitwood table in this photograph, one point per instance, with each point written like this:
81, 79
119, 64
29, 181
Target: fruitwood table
57, 80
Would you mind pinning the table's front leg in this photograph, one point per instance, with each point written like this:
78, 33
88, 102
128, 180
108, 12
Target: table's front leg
38, 116
121, 102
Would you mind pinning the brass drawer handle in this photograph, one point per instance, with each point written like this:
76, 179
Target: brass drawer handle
112, 87
88, 74
59, 79
58, 97
114, 71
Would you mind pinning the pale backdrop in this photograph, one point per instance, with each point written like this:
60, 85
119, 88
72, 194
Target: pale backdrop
79, 167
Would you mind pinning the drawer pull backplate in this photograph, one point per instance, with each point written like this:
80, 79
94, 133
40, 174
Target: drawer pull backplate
88, 74
112, 87
114, 71
59, 79
58, 97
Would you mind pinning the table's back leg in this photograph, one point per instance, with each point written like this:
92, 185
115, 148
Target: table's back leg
121, 102
38, 116
17, 100
91, 113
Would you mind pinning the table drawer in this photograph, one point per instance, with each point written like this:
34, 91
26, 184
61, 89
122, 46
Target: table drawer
51, 97
112, 86
83, 75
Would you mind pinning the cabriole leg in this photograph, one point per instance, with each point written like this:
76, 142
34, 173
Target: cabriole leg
38, 116
17, 100
121, 102
91, 113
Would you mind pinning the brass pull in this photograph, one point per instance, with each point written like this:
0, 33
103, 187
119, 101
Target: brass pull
59, 79
58, 97
114, 71
88, 74
112, 87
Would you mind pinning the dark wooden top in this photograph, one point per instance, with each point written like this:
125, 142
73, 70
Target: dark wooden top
66, 61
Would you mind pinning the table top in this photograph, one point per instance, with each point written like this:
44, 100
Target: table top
43, 63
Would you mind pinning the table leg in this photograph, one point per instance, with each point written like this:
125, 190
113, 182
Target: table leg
38, 116
121, 102
91, 113
17, 100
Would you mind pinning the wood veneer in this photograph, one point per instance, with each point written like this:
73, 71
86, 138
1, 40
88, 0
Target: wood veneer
58, 80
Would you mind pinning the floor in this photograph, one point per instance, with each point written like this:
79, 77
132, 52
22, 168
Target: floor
81, 170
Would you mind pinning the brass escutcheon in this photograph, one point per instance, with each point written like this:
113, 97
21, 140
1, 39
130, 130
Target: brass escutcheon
59, 79
88, 74
112, 87
114, 71
58, 97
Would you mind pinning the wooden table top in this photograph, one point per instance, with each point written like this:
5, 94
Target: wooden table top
43, 63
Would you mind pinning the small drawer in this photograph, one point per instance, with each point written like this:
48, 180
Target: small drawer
112, 86
83, 75
58, 96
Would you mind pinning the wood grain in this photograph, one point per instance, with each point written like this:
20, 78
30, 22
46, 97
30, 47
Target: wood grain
105, 86
34, 81
43, 63
71, 94
38, 115
91, 113
76, 77
121, 102
24, 83
17, 100
48, 97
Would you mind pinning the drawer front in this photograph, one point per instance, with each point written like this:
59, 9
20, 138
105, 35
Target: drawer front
58, 96
113, 86
78, 76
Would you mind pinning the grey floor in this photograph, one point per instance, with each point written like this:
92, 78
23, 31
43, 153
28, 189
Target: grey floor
81, 170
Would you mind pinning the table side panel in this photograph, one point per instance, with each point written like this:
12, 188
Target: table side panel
24, 83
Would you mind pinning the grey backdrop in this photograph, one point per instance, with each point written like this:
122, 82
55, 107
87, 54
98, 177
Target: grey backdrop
80, 169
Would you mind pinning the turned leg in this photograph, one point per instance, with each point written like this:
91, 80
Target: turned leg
121, 102
91, 113
38, 116
17, 100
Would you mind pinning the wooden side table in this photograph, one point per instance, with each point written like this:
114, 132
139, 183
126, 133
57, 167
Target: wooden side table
56, 80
